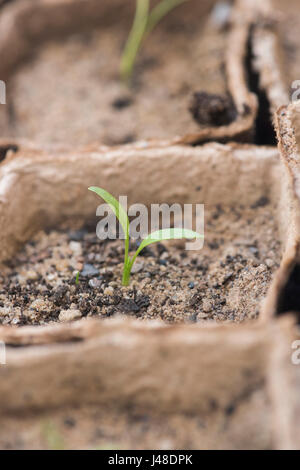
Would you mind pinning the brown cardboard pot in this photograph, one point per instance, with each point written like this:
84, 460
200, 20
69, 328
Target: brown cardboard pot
220, 386
202, 371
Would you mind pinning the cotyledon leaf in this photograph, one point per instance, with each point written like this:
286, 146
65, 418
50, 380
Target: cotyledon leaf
118, 210
165, 234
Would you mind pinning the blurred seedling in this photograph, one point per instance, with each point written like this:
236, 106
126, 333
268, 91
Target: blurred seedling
145, 20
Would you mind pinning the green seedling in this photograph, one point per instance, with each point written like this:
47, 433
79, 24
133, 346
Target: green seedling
53, 437
144, 22
157, 236
77, 278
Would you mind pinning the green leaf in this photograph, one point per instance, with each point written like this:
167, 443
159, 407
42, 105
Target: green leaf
118, 210
165, 234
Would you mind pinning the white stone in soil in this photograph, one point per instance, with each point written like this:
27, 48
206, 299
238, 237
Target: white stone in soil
202, 315
32, 275
75, 247
269, 262
137, 267
95, 283
206, 306
39, 304
69, 315
109, 291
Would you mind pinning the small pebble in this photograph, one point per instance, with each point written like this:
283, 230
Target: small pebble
39, 304
62, 265
109, 291
163, 262
202, 315
69, 315
207, 306
32, 275
75, 247
89, 270
77, 235
191, 285
254, 250
95, 283
221, 13
137, 267
269, 262
261, 268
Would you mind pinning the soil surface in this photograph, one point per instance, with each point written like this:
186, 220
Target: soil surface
225, 281
71, 92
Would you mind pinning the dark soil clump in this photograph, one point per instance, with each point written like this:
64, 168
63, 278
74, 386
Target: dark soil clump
209, 109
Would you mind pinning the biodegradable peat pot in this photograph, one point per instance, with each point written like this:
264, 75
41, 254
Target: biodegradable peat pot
60, 61
223, 376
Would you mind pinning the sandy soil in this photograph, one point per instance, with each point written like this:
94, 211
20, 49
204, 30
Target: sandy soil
225, 281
